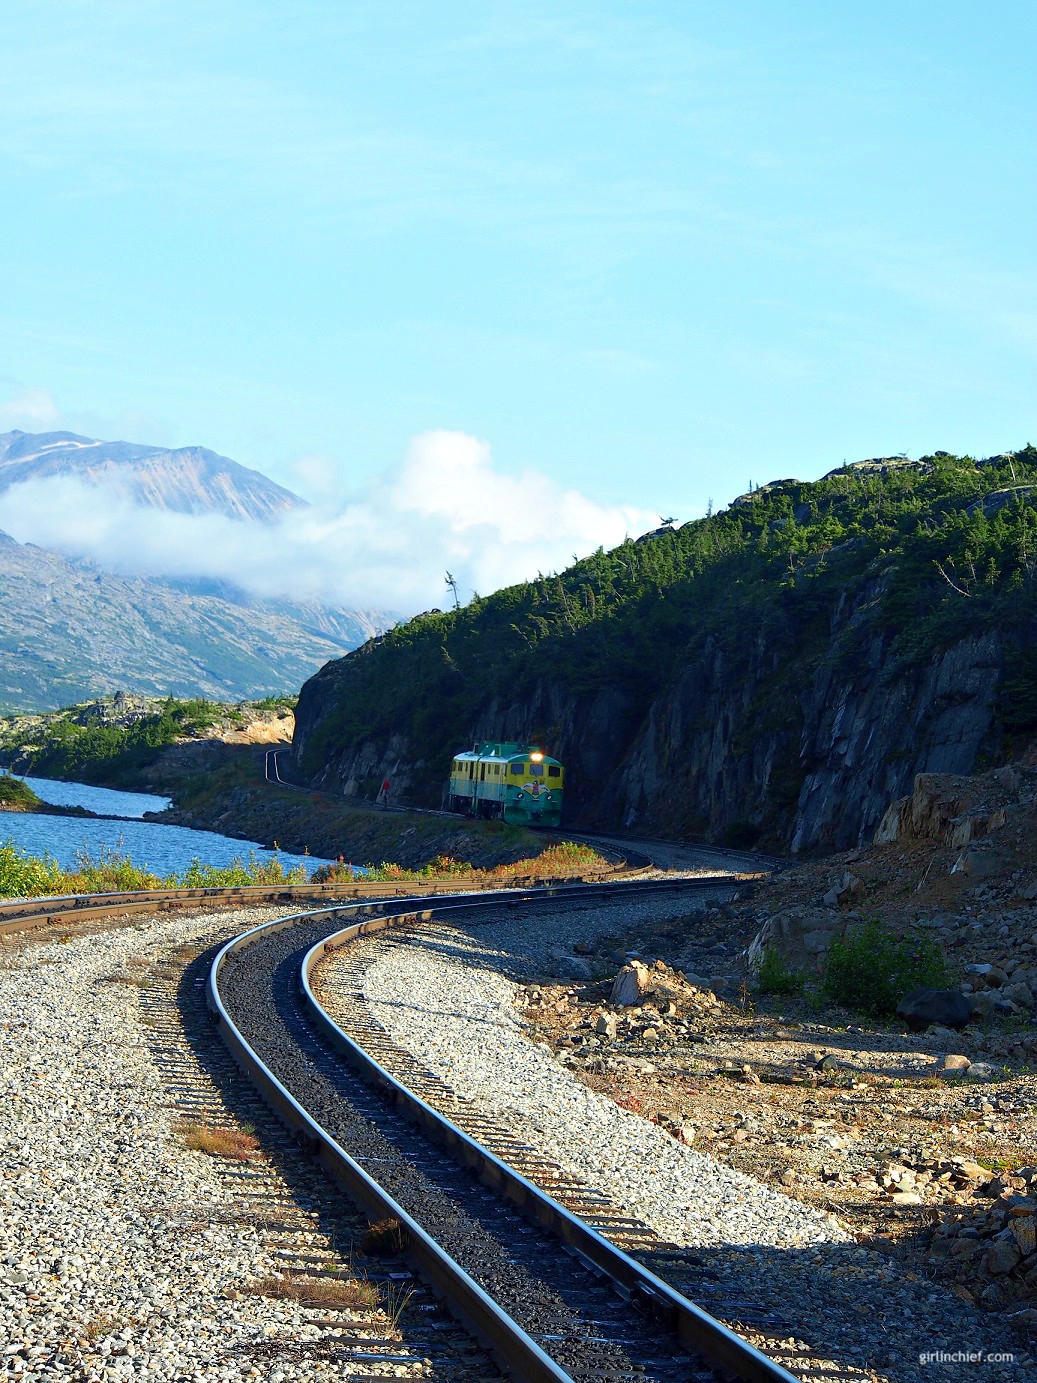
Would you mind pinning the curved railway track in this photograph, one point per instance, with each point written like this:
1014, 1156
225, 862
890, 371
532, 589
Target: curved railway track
548, 1294
576, 1307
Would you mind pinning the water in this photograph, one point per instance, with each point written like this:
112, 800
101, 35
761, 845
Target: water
162, 849
104, 801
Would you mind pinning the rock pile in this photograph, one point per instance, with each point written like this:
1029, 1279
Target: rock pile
993, 1249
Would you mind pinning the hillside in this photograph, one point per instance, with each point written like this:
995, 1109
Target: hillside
70, 631
773, 674
189, 480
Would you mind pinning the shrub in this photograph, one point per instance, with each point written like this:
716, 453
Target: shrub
23, 876
871, 970
775, 976
237, 1144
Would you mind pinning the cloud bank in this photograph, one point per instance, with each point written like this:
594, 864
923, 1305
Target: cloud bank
445, 507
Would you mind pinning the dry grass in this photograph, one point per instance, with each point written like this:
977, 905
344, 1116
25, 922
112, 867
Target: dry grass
342, 1293
239, 1144
384, 1238
98, 1327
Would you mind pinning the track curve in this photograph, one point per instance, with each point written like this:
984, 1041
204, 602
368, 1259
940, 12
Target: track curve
582, 1328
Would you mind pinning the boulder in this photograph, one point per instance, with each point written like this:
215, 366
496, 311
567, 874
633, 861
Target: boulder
951, 1065
1020, 994
605, 1025
922, 1007
980, 1070
630, 985
801, 936
977, 863
1002, 1258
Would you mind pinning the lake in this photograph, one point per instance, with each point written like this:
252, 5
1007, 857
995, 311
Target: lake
162, 849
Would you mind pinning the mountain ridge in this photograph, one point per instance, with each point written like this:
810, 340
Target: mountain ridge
186, 480
70, 631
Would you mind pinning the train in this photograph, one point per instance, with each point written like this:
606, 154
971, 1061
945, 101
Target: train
515, 782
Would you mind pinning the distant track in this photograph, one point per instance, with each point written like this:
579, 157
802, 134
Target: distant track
660, 854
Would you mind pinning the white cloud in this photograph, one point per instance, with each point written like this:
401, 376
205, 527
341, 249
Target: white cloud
31, 410
445, 507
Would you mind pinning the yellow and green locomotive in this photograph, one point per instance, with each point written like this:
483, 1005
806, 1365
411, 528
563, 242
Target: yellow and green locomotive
514, 781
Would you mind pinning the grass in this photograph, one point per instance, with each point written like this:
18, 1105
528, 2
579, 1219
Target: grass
385, 1238
237, 1144
111, 871
568, 857
333, 1293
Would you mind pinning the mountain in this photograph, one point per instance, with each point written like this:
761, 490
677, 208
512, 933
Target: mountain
188, 480
775, 674
70, 631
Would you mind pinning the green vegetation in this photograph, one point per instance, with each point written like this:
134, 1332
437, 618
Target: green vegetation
110, 871
775, 976
870, 970
112, 752
927, 552
16, 795
568, 857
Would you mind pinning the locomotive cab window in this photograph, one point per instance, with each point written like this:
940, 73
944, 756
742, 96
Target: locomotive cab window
553, 771
537, 770
517, 770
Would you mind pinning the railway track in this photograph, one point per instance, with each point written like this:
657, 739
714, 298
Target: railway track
309, 1228
532, 1277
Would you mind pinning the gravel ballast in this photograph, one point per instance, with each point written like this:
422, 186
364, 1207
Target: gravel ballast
117, 1244
446, 994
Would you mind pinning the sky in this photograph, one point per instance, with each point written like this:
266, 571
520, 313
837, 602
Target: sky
632, 257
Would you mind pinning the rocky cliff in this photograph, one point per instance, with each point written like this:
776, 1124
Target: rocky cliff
726, 754
723, 695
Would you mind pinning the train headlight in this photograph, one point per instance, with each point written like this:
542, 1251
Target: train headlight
537, 757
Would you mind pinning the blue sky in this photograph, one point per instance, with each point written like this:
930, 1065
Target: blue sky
653, 251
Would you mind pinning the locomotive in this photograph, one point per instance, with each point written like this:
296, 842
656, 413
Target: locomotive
517, 782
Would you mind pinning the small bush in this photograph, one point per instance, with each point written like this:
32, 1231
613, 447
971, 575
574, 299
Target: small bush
238, 1144
775, 976
871, 970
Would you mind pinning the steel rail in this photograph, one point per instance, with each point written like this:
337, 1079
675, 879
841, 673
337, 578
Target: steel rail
695, 1328
515, 1349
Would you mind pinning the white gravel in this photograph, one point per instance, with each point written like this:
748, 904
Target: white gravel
109, 1264
442, 995
462, 1022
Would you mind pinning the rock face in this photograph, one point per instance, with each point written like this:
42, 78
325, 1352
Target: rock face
734, 749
